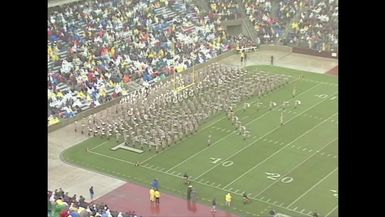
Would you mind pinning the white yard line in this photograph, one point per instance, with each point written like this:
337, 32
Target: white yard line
215, 187
98, 146
216, 142
118, 159
311, 188
266, 112
292, 169
331, 211
279, 150
320, 82
235, 153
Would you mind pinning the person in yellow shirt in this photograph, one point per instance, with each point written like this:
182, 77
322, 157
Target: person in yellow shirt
228, 199
157, 196
152, 195
242, 56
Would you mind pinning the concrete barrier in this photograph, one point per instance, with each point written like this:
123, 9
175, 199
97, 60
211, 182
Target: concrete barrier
276, 48
308, 51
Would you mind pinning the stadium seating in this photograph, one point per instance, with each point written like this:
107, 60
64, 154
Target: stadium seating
316, 27
97, 48
95, 51
59, 203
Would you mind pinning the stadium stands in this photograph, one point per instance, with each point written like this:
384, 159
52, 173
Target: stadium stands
96, 49
316, 27
60, 204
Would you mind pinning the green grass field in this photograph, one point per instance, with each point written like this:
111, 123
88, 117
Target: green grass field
292, 169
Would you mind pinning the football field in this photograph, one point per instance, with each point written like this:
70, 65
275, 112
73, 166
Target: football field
292, 168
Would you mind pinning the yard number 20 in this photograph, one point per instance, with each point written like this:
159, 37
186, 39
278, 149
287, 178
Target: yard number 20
275, 176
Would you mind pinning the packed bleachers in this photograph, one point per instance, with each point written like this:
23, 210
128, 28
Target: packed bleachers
312, 23
96, 49
260, 14
317, 27
224, 9
61, 204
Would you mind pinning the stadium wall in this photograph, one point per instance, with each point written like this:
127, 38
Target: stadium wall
276, 48
308, 51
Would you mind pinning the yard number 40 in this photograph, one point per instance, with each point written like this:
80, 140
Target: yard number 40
275, 176
224, 163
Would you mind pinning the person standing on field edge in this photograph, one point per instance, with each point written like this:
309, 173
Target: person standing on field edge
272, 60
157, 196
189, 190
228, 199
152, 195
213, 203
242, 56
245, 57
92, 192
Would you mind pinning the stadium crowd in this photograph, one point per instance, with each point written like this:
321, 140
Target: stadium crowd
317, 27
259, 13
96, 48
63, 205
103, 48
224, 9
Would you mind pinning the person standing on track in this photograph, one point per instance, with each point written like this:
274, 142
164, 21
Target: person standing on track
213, 206
92, 193
242, 57
157, 196
152, 195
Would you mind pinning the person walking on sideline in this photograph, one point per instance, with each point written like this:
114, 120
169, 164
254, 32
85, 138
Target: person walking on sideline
152, 195
189, 190
92, 193
228, 199
157, 196
242, 57
281, 118
214, 204
246, 198
155, 184
185, 178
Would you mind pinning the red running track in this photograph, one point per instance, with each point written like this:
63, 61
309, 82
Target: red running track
129, 197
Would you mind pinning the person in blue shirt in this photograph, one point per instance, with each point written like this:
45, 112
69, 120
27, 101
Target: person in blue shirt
155, 184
